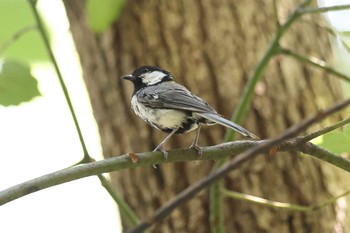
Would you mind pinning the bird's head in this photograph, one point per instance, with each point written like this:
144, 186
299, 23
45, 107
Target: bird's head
148, 76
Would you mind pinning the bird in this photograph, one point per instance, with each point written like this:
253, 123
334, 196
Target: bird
171, 107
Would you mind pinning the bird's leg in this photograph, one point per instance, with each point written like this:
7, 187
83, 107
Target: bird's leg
160, 146
194, 144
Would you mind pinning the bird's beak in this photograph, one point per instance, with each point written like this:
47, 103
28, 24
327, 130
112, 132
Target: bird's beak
128, 77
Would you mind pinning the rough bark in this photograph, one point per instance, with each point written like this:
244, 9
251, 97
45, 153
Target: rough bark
211, 47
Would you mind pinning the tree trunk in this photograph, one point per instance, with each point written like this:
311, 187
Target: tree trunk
211, 47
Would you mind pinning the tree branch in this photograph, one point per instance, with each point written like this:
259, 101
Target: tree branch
180, 155
249, 154
224, 150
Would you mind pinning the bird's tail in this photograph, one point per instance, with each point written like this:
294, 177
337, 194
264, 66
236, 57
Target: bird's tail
229, 124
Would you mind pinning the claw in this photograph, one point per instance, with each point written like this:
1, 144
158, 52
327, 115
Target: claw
198, 149
194, 144
160, 146
164, 152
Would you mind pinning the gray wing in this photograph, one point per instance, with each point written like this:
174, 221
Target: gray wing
171, 95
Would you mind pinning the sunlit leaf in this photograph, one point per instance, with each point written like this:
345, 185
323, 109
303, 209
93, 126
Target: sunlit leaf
102, 13
29, 45
345, 33
346, 131
336, 142
17, 85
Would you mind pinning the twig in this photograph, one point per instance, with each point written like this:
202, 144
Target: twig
32, 4
249, 154
217, 223
275, 11
271, 50
281, 205
323, 131
15, 37
245, 101
263, 201
149, 158
324, 155
331, 200
126, 212
314, 62
323, 9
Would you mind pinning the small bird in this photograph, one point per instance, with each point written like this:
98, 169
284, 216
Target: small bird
171, 107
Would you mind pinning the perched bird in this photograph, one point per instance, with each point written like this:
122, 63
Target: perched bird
171, 107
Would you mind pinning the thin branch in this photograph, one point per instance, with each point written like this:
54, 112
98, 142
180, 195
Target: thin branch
249, 154
318, 10
32, 4
324, 155
314, 62
15, 37
275, 11
217, 223
264, 202
331, 200
117, 163
272, 50
323, 131
245, 101
149, 158
280, 205
120, 162
125, 211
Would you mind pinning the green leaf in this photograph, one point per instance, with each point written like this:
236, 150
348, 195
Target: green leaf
346, 131
345, 33
102, 13
336, 142
14, 16
17, 85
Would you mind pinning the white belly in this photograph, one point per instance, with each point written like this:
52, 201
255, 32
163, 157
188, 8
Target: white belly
160, 118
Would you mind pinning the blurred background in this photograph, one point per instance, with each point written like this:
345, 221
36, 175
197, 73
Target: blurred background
38, 137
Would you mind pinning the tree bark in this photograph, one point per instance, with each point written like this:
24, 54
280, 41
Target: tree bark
211, 47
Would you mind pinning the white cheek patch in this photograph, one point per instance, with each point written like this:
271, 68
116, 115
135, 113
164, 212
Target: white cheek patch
153, 77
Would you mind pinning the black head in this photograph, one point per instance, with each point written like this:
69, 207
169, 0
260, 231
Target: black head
148, 76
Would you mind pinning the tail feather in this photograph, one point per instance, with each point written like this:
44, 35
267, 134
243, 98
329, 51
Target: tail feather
229, 124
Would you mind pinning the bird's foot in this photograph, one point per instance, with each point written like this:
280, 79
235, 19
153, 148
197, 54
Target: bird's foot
164, 152
198, 149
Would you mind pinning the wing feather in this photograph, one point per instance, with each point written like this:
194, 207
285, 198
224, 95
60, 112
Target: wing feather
172, 96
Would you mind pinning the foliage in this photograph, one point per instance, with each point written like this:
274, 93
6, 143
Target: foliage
336, 142
101, 14
17, 85
27, 47
20, 45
